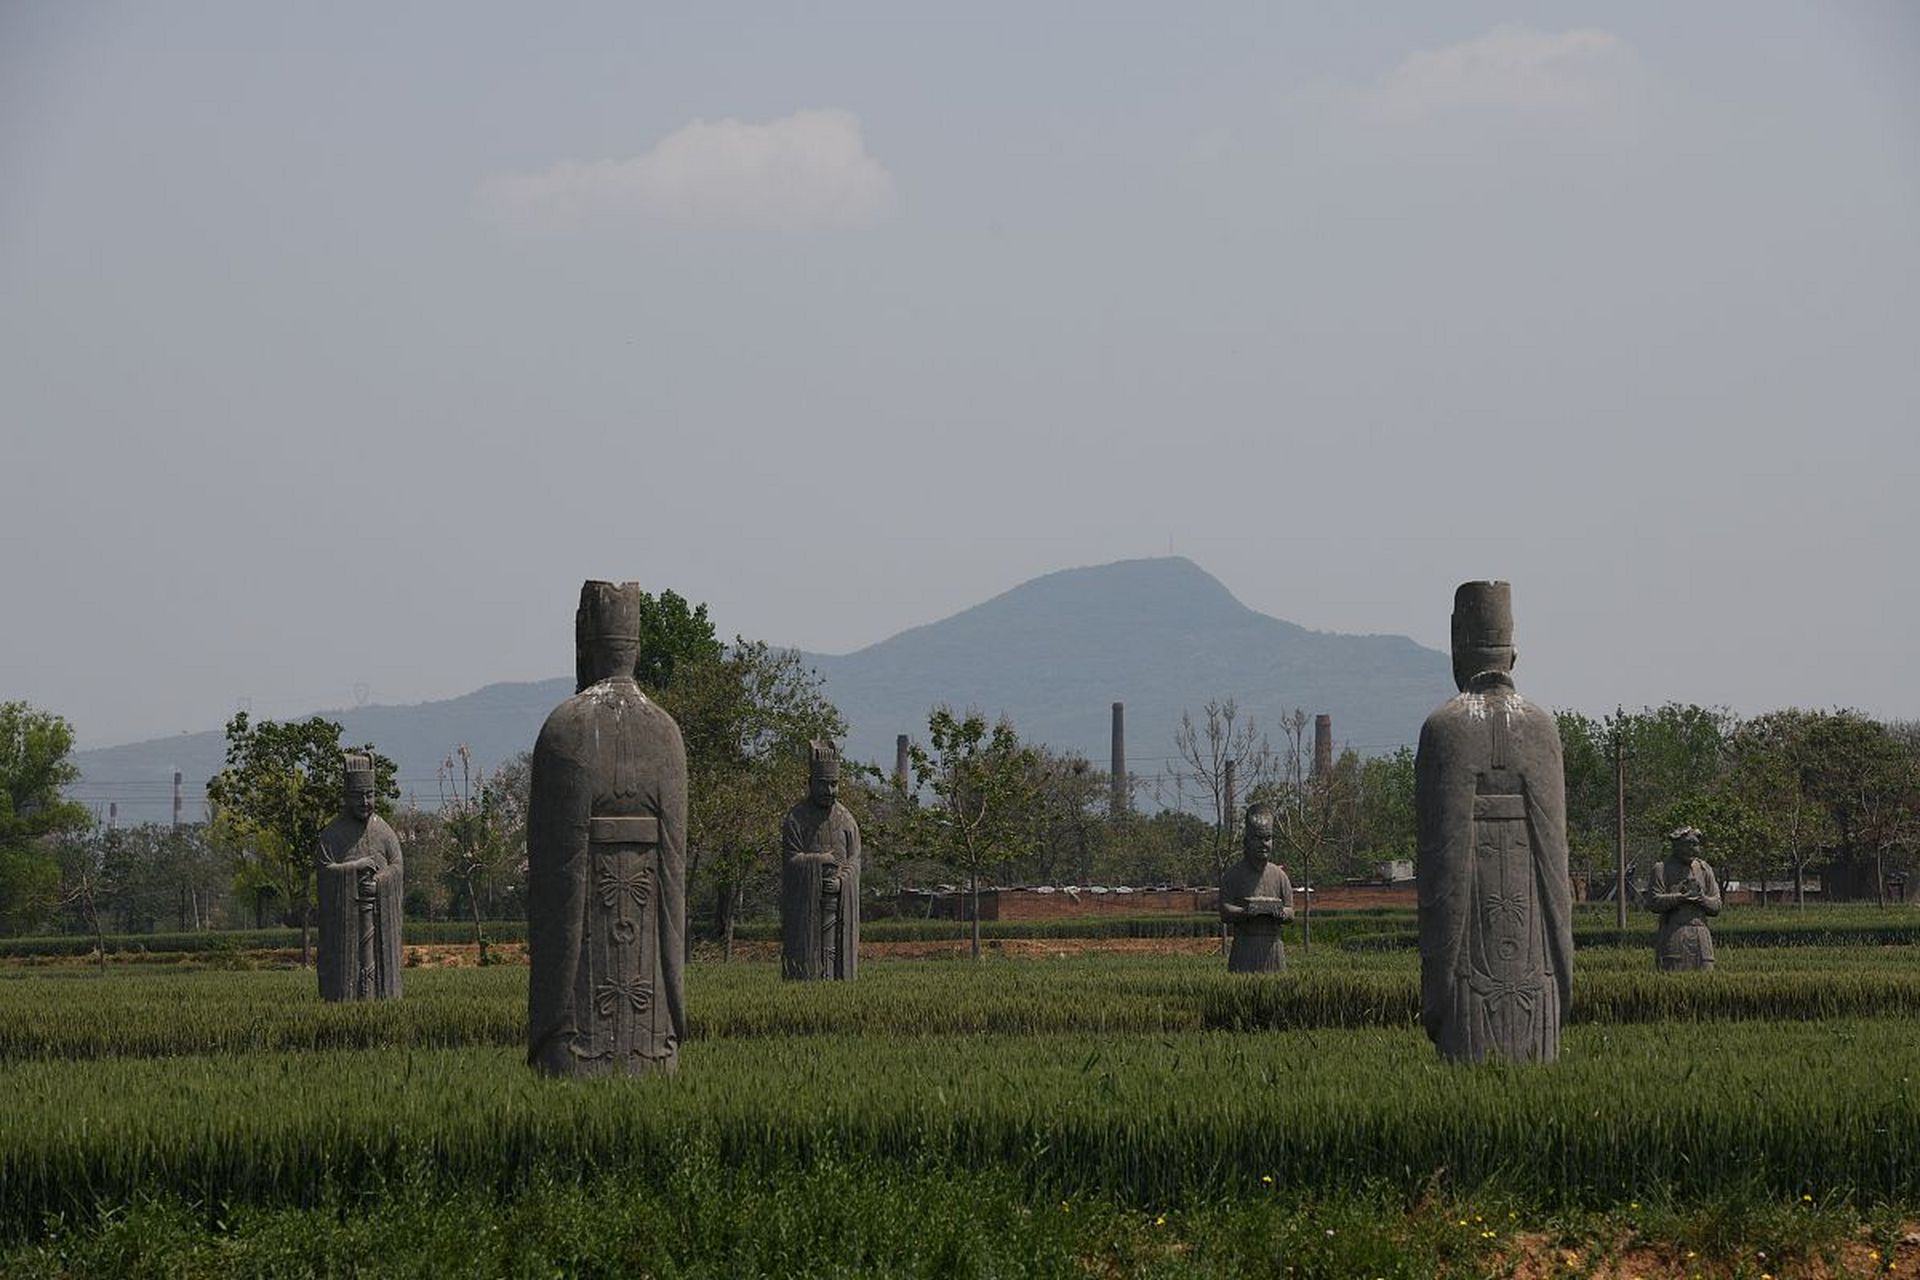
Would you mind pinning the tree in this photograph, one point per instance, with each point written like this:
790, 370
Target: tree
1312, 806
87, 882
1826, 784
279, 790
746, 716
35, 747
1384, 823
672, 634
474, 815
1223, 746
1069, 797
982, 784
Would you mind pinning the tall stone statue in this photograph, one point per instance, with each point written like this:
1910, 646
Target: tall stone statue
1684, 891
820, 877
606, 862
1256, 898
357, 861
1490, 801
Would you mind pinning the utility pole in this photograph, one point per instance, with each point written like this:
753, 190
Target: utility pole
1619, 823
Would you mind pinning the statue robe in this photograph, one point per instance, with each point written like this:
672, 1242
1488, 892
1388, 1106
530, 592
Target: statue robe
1496, 929
606, 886
819, 926
1256, 938
1683, 940
358, 873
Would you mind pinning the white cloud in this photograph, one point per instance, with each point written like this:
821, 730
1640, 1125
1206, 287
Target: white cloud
1571, 73
803, 172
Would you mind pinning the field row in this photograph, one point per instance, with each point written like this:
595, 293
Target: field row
148, 1012
1774, 1110
1389, 928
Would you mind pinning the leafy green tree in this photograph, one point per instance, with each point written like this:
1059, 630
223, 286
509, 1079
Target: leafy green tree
746, 716
278, 791
1070, 795
1384, 807
1735, 837
1832, 785
672, 634
35, 747
982, 785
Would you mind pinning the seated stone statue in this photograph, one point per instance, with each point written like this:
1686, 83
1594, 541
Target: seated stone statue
1684, 891
357, 859
1256, 898
820, 877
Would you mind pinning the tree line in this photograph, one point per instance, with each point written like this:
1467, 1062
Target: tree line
1778, 796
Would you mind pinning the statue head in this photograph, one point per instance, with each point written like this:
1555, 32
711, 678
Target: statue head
357, 801
606, 632
823, 774
1684, 843
1482, 631
1256, 839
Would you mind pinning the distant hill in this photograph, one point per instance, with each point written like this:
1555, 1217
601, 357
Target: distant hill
498, 722
1161, 635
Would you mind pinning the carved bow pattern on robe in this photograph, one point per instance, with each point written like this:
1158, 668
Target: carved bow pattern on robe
612, 884
637, 992
1511, 907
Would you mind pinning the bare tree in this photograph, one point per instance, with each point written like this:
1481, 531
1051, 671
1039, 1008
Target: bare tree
1311, 805
1223, 745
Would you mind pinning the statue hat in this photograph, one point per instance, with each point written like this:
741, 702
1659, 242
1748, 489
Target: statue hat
1483, 615
823, 759
357, 767
608, 611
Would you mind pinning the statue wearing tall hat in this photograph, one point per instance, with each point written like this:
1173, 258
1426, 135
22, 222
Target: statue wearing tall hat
606, 862
1496, 933
820, 877
357, 867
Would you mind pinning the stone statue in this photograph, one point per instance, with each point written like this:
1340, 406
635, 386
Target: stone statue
357, 861
820, 877
1684, 891
1256, 898
606, 862
1496, 931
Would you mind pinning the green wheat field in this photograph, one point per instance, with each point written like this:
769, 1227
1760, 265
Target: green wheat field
1087, 1115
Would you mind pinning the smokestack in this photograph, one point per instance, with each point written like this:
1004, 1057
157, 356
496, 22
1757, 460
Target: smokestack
1322, 746
113, 814
176, 799
900, 760
1122, 793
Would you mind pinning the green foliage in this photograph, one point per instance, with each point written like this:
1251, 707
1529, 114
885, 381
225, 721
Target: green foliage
982, 785
35, 751
1148, 1120
280, 788
746, 716
672, 633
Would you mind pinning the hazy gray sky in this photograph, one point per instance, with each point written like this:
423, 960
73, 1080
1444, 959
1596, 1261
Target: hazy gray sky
338, 343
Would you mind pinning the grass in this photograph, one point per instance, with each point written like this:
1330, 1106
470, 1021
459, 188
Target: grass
149, 1011
1095, 1114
